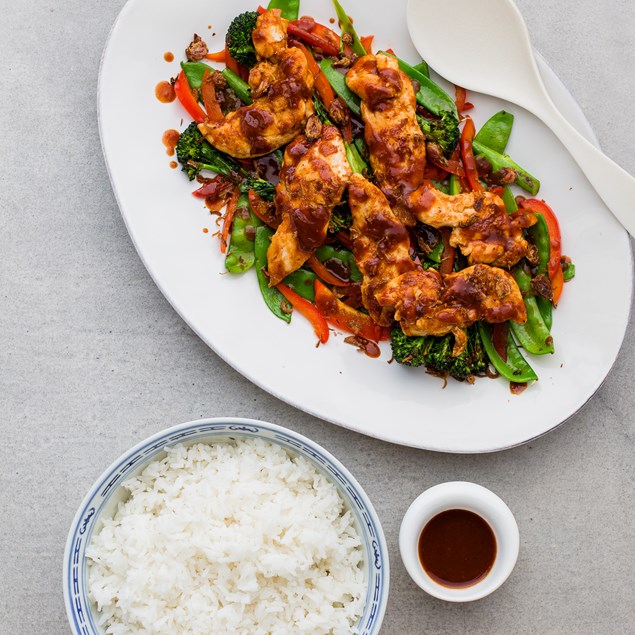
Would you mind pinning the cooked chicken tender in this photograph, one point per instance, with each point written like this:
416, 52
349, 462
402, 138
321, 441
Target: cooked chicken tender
281, 90
427, 303
395, 141
423, 302
312, 180
381, 244
483, 230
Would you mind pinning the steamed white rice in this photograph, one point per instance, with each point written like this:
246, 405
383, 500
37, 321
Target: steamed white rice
235, 537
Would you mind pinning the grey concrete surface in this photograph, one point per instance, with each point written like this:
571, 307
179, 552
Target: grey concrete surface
94, 358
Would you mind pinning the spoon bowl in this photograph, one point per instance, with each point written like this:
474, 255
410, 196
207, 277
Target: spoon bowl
491, 53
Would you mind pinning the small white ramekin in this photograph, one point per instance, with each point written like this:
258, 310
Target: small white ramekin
477, 499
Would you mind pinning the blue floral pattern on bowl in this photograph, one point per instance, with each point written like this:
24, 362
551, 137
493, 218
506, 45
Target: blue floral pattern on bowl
103, 496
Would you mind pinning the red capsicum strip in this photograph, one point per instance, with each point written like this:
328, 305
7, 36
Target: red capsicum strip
262, 210
308, 310
345, 317
184, 93
555, 243
320, 270
367, 42
313, 40
467, 154
216, 57
320, 83
208, 92
228, 219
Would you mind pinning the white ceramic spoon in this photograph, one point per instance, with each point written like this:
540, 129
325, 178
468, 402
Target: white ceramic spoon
490, 52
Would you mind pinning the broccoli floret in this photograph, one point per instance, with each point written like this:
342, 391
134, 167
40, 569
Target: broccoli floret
194, 154
472, 361
443, 131
263, 188
341, 219
238, 38
407, 349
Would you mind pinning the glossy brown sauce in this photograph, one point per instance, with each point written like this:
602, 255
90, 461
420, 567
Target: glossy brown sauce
168, 56
173, 165
516, 388
170, 138
164, 92
457, 548
368, 347
267, 168
205, 230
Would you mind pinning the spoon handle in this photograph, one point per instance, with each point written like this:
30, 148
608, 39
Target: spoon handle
615, 186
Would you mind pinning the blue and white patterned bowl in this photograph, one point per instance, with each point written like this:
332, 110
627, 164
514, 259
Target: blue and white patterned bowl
106, 493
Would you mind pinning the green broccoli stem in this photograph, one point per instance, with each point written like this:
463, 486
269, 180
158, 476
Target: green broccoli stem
239, 85
431, 96
347, 27
525, 180
290, 9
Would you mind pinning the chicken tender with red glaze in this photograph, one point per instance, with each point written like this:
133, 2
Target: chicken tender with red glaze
312, 180
427, 303
281, 87
381, 244
482, 229
395, 141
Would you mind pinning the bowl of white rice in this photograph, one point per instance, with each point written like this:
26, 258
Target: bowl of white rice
223, 526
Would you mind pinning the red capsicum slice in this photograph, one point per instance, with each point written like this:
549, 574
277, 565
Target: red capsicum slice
320, 270
555, 243
308, 310
313, 40
184, 93
345, 317
467, 154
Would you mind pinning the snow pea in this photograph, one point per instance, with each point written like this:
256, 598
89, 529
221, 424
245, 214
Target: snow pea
347, 27
498, 160
290, 8
338, 84
240, 253
272, 297
540, 234
194, 72
423, 68
495, 131
509, 199
568, 272
303, 283
239, 85
515, 368
432, 97
533, 335
327, 253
